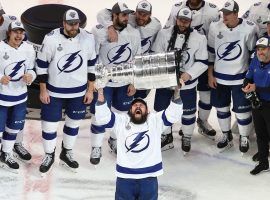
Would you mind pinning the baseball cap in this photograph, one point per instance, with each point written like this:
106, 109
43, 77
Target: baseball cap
263, 42
184, 13
121, 8
71, 16
138, 100
230, 6
1, 10
144, 6
16, 25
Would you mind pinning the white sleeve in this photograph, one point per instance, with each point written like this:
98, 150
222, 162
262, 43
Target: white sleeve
171, 21
160, 43
44, 56
170, 115
104, 17
137, 44
31, 62
200, 64
103, 114
211, 44
92, 57
98, 39
252, 38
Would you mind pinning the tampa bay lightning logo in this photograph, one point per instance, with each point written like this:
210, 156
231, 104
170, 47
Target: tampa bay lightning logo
119, 54
146, 44
137, 142
229, 51
15, 70
70, 62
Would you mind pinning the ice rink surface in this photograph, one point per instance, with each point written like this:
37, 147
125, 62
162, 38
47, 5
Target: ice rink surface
204, 174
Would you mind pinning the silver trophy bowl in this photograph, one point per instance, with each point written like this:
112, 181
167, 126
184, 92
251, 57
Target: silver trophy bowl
148, 71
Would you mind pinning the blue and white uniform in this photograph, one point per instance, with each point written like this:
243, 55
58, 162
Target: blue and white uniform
195, 60
258, 13
229, 50
66, 62
14, 62
138, 145
201, 20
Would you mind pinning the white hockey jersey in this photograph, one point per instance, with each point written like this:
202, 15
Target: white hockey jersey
201, 18
138, 146
15, 63
67, 62
229, 50
115, 53
4, 27
258, 13
148, 32
195, 59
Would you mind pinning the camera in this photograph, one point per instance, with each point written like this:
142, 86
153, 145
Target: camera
253, 98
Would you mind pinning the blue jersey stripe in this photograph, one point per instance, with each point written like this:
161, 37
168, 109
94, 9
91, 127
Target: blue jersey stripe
9, 98
42, 64
165, 120
145, 170
229, 77
66, 90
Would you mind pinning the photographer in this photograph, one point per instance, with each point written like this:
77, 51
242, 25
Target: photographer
258, 79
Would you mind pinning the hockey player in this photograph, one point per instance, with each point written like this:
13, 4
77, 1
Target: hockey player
148, 27
118, 94
65, 68
19, 150
230, 42
258, 13
257, 81
139, 160
203, 13
17, 60
191, 48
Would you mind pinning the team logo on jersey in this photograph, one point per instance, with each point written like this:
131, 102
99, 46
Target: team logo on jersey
119, 54
137, 142
15, 70
246, 14
259, 20
220, 36
59, 48
6, 56
146, 44
70, 62
229, 51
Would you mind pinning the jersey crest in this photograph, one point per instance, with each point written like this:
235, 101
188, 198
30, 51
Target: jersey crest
229, 51
119, 54
137, 142
69, 62
15, 70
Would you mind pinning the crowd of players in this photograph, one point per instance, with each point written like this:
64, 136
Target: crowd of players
214, 49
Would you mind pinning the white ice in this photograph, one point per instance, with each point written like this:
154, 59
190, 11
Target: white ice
204, 174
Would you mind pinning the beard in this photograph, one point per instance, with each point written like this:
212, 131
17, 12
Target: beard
72, 33
194, 3
138, 120
121, 25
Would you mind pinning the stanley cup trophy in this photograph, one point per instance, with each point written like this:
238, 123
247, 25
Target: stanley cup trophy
144, 72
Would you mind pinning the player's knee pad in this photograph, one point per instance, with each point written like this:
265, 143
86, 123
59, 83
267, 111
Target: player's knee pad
224, 112
49, 127
72, 123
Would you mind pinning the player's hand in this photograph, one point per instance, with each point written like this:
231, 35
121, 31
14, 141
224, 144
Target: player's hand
131, 90
112, 34
88, 97
44, 97
249, 88
185, 77
5, 80
212, 82
27, 78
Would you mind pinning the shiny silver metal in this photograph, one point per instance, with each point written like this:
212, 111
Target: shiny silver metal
144, 72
